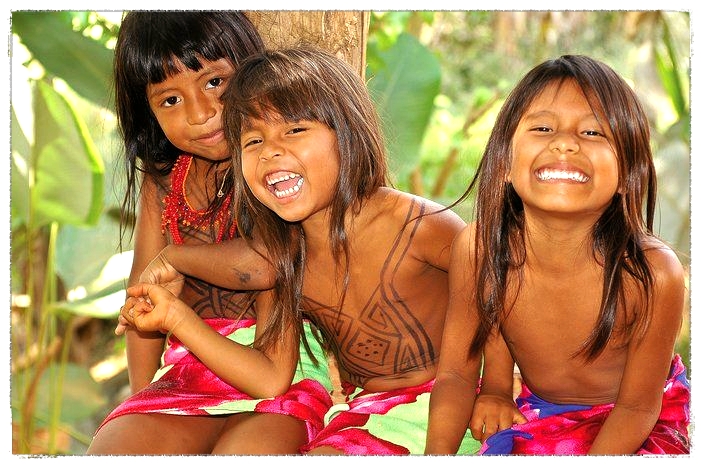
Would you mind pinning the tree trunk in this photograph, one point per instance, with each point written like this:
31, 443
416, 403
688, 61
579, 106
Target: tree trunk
342, 32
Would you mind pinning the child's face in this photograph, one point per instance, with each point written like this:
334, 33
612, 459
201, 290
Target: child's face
188, 108
291, 167
562, 159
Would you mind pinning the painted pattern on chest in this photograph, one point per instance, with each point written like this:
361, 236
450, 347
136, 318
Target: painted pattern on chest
381, 336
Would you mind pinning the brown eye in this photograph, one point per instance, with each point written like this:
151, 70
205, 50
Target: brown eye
251, 142
214, 82
170, 101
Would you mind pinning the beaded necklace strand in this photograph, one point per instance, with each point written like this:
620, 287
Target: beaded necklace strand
177, 210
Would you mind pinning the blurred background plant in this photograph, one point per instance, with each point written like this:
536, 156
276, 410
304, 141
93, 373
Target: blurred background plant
438, 79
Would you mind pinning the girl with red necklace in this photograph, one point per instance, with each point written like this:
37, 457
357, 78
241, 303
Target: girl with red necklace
232, 378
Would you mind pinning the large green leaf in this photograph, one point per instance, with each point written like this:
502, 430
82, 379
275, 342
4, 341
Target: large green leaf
68, 181
85, 64
671, 74
104, 294
404, 81
102, 305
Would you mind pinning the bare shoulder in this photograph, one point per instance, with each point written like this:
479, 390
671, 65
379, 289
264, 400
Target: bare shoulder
412, 206
465, 240
427, 226
464, 243
153, 189
663, 260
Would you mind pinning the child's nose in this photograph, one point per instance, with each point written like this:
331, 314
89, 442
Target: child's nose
200, 110
564, 142
271, 149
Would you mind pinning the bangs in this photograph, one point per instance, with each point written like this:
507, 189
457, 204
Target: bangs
157, 69
267, 94
277, 107
159, 63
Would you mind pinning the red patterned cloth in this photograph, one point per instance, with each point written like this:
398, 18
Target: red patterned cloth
571, 429
381, 423
185, 386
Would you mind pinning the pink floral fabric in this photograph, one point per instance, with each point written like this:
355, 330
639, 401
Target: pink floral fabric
381, 423
185, 386
570, 429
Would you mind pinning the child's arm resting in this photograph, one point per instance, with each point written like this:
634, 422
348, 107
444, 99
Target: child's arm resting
231, 264
495, 409
144, 349
639, 401
260, 374
455, 387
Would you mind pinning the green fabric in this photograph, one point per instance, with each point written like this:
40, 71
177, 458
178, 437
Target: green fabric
469, 446
306, 368
406, 425
233, 407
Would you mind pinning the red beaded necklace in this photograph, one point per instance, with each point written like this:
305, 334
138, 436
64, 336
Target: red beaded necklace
177, 211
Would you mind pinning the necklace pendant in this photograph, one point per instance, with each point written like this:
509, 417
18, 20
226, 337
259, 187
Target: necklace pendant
220, 193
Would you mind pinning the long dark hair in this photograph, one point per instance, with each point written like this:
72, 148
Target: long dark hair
305, 83
620, 232
149, 45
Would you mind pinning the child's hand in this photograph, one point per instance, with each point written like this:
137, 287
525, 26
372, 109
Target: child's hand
123, 324
493, 413
152, 308
160, 272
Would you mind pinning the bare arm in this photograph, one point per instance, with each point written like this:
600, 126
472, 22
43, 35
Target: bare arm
453, 393
144, 349
639, 401
232, 264
495, 409
259, 373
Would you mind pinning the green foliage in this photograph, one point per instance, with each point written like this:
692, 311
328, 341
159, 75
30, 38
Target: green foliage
85, 64
57, 180
404, 79
81, 395
102, 302
68, 170
19, 174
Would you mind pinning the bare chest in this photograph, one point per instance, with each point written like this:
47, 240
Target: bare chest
548, 327
380, 320
551, 317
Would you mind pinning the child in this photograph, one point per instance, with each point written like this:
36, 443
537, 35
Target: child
568, 278
369, 263
170, 70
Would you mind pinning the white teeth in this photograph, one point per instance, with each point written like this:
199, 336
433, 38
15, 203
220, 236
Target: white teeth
548, 174
289, 191
272, 181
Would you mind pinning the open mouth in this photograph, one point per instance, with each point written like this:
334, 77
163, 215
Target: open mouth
550, 174
284, 184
